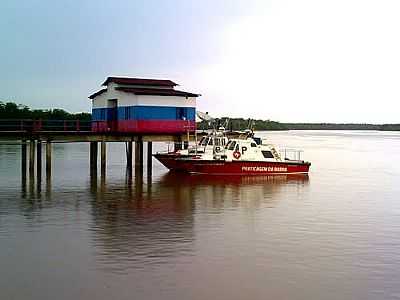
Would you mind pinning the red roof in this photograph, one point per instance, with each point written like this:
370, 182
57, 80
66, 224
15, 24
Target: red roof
97, 93
140, 81
156, 92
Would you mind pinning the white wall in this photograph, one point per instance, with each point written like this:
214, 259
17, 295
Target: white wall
129, 99
100, 101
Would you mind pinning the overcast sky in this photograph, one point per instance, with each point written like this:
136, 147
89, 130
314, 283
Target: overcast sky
285, 60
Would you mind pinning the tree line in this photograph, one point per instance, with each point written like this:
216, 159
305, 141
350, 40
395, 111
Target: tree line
11, 110
242, 124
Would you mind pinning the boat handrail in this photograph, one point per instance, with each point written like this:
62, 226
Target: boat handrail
291, 153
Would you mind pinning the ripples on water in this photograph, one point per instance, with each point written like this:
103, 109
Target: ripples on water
331, 235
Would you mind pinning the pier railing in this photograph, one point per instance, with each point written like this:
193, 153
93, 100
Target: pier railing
26, 125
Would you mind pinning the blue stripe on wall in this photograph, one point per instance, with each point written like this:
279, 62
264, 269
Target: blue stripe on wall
99, 114
145, 113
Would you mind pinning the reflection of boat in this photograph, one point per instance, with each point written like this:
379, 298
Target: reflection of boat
139, 223
240, 156
211, 180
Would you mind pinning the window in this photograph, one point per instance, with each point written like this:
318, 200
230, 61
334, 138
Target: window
201, 141
217, 142
210, 141
267, 154
232, 145
257, 140
253, 144
205, 142
237, 147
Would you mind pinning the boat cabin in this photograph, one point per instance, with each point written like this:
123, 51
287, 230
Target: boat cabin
142, 105
251, 149
256, 149
214, 142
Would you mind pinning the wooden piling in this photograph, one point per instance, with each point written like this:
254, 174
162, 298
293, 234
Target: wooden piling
23, 158
48, 159
32, 145
129, 153
23, 167
93, 155
149, 158
39, 159
103, 158
139, 157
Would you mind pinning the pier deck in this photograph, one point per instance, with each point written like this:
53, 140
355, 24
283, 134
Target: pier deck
33, 134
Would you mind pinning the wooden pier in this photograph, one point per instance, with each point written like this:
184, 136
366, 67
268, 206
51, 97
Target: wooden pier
33, 138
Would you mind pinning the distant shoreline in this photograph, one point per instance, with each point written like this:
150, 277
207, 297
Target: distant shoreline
241, 124
338, 126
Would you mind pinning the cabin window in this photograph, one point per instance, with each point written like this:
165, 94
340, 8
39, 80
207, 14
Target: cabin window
205, 141
237, 147
201, 141
257, 140
210, 142
223, 142
217, 142
267, 154
232, 145
253, 144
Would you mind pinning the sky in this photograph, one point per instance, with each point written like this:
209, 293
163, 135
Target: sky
287, 60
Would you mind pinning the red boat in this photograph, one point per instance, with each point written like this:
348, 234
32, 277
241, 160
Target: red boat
242, 156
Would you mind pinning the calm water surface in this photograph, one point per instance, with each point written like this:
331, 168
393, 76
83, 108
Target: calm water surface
332, 235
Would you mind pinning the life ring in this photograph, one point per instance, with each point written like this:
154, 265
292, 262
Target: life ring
236, 154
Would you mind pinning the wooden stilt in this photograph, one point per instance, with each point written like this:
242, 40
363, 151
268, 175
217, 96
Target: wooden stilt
32, 145
39, 159
103, 158
23, 167
139, 157
48, 159
93, 155
23, 158
149, 158
129, 153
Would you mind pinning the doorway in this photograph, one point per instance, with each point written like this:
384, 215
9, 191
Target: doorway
112, 116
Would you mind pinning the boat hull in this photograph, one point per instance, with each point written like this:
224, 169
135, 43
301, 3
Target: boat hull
170, 160
222, 167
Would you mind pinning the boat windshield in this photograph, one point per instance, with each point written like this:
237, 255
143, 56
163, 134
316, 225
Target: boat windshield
204, 142
201, 141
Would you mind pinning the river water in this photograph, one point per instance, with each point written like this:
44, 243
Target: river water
334, 234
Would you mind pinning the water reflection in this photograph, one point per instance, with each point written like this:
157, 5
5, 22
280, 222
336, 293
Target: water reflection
138, 223
134, 228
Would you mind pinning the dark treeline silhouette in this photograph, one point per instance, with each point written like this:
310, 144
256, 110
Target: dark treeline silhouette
10, 110
348, 126
242, 124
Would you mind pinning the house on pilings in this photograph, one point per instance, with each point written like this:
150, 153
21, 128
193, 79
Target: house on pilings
140, 105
